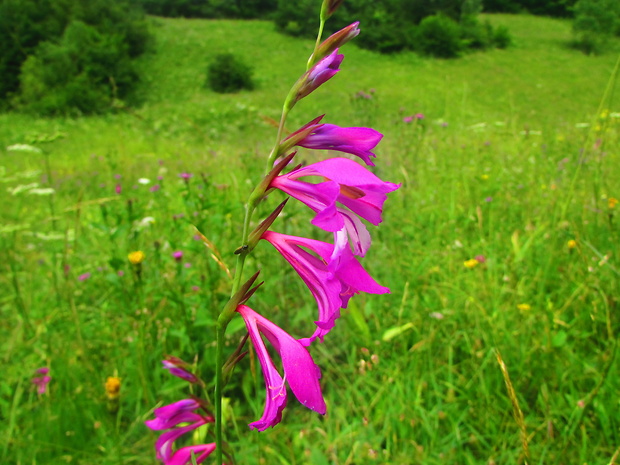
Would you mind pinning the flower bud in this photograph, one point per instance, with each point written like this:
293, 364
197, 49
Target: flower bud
320, 73
335, 41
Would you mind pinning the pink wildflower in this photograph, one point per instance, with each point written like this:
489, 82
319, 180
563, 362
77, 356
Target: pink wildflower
300, 371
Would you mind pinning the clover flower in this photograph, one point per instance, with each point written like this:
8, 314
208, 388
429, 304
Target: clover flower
300, 371
41, 382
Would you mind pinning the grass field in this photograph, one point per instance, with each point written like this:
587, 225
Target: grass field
516, 160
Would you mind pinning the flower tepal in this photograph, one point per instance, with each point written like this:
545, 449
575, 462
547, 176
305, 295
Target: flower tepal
344, 181
320, 73
331, 277
170, 417
300, 371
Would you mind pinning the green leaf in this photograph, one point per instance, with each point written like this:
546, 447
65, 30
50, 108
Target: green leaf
559, 339
391, 333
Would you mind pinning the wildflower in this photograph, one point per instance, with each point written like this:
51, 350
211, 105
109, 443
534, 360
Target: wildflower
83, 277
300, 371
408, 119
118, 189
186, 176
357, 141
41, 382
354, 140
319, 74
488, 199
329, 7
571, 244
177, 255
484, 177
480, 258
332, 279
179, 368
612, 202
524, 307
346, 182
144, 181
137, 257
113, 387
471, 263
155, 188
419, 116
169, 418
335, 41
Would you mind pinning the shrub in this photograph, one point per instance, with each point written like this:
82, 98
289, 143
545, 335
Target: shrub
476, 35
502, 37
80, 74
47, 34
596, 21
228, 74
439, 36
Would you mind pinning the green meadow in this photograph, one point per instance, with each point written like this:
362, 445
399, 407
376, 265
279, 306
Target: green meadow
510, 358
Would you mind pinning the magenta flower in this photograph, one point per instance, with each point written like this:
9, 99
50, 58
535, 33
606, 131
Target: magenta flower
331, 272
356, 141
408, 119
169, 418
346, 182
336, 40
118, 189
83, 277
177, 255
179, 368
300, 371
186, 176
155, 188
320, 73
41, 382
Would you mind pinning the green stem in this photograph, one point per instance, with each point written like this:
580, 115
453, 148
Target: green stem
317, 43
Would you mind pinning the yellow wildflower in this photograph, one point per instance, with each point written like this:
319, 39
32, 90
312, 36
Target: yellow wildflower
571, 244
136, 257
612, 202
113, 387
471, 263
484, 177
524, 307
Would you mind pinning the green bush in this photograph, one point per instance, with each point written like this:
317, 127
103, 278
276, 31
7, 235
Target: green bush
595, 23
69, 56
439, 36
227, 74
83, 73
502, 37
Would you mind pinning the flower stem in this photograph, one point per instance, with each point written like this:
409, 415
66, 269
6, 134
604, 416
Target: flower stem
316, 45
